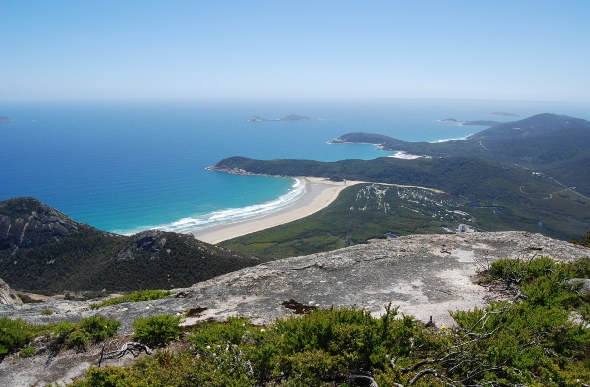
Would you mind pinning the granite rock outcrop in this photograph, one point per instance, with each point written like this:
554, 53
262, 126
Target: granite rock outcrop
26, 222
425, 275
7, 296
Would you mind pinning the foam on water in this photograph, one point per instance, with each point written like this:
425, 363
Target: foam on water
231, 215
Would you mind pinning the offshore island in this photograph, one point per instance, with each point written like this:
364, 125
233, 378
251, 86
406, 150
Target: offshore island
288, 118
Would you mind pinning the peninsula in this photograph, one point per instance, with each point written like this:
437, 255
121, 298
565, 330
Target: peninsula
471, 123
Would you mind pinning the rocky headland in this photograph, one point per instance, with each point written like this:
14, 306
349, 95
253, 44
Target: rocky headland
43, 250
28, 223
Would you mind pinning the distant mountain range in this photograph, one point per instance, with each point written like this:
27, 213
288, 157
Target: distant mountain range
41, 249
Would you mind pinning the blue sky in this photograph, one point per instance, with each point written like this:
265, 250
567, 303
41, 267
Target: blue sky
78, 49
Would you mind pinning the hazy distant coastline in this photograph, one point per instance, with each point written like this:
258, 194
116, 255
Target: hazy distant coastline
504, 114
471, 123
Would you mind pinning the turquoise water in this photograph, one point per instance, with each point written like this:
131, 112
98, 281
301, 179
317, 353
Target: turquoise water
128, 166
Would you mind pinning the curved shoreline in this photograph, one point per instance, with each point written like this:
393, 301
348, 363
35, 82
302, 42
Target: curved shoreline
319, 193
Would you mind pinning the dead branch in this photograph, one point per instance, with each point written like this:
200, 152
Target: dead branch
484, 319
131, 347
420, 374
417, 365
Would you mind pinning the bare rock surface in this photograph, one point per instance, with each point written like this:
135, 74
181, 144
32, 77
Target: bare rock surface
7, 296
425, 275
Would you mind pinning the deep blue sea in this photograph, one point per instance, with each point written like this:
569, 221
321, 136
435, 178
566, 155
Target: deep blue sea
125, 166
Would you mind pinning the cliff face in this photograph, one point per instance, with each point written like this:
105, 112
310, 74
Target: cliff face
26, 222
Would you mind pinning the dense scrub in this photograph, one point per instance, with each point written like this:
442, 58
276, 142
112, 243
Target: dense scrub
156, 331
363, 212
537, 338
85, 260
17, 334
549, 143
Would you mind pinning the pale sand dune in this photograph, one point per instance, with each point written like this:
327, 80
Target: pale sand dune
319, 193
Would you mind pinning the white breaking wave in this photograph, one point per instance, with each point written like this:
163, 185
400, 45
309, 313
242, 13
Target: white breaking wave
232, 215
452, 139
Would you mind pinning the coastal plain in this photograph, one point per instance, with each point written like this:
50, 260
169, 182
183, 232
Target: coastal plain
319, 193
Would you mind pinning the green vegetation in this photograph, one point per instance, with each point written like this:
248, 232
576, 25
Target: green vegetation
86, 259
17, 334
19, 208
14, 334
553, 144
141, 295
364, 212
531, 340
584, 241
470, 178
157, 330
90, 329
27, 352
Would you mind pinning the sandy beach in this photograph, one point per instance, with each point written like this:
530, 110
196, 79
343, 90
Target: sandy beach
319, 193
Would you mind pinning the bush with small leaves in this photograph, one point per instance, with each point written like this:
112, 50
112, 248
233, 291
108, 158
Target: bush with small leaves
14, 334
27, 352
90, 329
157, 330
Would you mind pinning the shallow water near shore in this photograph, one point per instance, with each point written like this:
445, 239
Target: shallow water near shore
126, 166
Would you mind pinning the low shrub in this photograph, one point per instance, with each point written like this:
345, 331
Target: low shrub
142, 295
14, 334
157, 330
27, 352
90, 329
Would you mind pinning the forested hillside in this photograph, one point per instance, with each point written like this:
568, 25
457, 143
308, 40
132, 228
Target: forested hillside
44, 250
556, 145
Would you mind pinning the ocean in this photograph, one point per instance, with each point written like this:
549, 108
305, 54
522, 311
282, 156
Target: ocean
127, 166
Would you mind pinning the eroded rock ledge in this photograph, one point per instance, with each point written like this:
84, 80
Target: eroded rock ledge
425, 275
